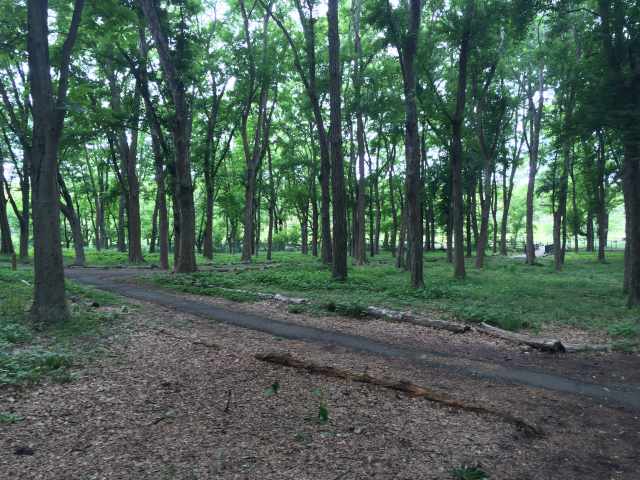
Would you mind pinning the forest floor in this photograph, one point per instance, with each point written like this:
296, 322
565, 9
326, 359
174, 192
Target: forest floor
170, 393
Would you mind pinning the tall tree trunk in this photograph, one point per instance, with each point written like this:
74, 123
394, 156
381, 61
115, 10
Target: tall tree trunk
160, 154
602, 216
412, 147
49, 305
314, 219
574, 206
181, 133
469, 243
494, 213
394, 210
339, 265
309, 81
560, 216
400, 255
359, 237
631, 181
133, 201
456, 145
535, 122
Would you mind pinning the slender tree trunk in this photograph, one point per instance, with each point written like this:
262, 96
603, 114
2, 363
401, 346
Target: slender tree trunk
602, 216
72, 216
359, 237
400, 255
631, 180
535, 122
181, 133
589, 233
314, 220
560, 216
574, 206
394, 210
469, 242
456, 146
122, 244
6, 244
133, 210
494, 213
154, 227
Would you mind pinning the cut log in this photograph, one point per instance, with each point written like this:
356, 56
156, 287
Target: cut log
408, 317
544, 344
411, 389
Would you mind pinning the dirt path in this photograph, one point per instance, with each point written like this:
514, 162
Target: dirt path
178, 396
116, 281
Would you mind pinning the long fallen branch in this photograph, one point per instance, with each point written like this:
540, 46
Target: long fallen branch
404, 386
187, 339
408, 317
544, 344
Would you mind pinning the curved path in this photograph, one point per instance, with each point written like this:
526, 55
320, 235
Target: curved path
115, 281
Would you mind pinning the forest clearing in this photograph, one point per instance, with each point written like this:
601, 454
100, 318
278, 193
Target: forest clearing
319, 239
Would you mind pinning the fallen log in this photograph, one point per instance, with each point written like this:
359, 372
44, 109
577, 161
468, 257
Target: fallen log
411, 389
265, 296
543, 344
408, 317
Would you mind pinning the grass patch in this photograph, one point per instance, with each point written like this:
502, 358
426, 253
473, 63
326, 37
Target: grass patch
28, 356
506, 293
8, 417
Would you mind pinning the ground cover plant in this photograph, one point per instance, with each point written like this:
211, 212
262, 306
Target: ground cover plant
506, 293
29, 355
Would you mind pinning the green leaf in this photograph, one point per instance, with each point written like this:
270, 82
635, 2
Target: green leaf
272, 390
323, 414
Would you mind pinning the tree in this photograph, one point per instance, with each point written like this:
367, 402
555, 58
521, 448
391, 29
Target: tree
339, 265
175, 78
49, 304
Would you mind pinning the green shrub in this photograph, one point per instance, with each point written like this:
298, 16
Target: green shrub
14, 333
469, 473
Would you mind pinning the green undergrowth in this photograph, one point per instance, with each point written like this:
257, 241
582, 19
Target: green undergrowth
506, 293
29, 355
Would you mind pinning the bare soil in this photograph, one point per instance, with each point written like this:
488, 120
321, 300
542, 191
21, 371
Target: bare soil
177, 396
